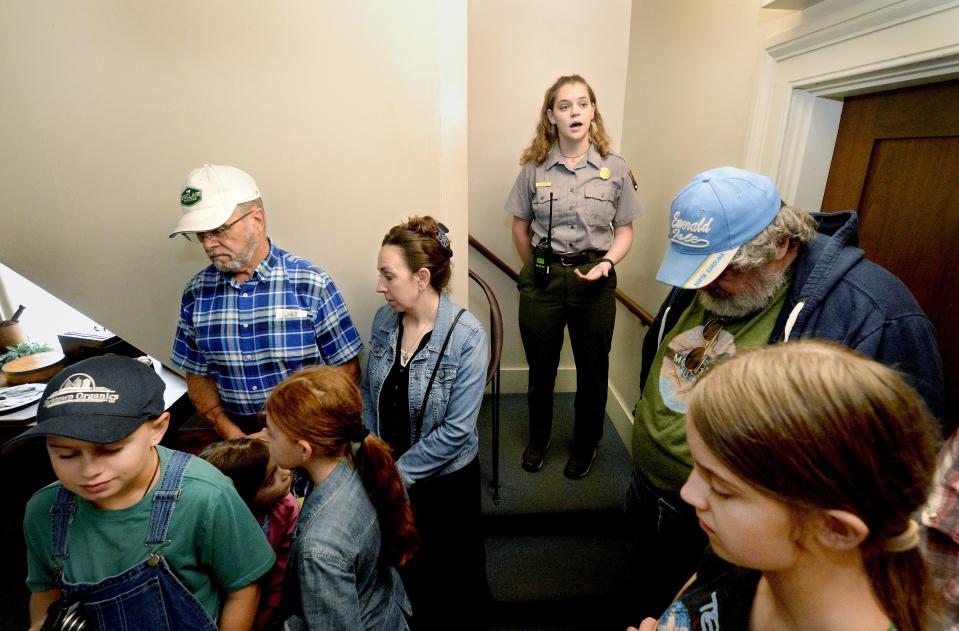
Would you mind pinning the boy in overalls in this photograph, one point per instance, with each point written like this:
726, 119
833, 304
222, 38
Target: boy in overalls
134, 535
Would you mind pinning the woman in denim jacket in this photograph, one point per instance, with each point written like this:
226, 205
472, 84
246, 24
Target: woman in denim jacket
433, 433
355, 525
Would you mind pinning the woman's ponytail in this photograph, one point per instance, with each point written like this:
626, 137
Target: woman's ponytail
322, 405
374, 461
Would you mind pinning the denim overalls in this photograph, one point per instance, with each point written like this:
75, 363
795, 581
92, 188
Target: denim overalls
148, 595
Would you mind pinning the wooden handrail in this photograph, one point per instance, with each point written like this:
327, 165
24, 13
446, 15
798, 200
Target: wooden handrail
631, 305
495, 260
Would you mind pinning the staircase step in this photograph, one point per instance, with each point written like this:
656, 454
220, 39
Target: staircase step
603, 613
546, 502
551, 539
521, 569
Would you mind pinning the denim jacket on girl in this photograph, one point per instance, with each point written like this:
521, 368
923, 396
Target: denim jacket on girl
449, 440
336, 579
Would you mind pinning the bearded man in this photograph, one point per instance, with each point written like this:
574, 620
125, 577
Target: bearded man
748, 271
257, 314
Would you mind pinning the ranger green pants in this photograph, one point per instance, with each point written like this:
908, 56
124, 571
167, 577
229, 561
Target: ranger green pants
589, 310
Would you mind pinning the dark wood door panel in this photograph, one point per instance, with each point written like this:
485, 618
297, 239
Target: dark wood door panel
917, 112
923, 253
896, 162
850, 158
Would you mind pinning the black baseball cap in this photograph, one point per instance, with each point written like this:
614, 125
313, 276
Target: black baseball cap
100, 400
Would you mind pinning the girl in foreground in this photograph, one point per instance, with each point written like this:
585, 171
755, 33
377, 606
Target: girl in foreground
808, 461
356, 525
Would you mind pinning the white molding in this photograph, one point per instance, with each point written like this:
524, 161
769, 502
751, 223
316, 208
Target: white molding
844, 21
621, 414
798, 127
787, 4
767, 130
835, 49
902, 70
762, 110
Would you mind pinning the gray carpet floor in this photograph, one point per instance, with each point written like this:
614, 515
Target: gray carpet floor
555, 551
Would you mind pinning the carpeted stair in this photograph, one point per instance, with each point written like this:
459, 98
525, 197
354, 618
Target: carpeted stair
554, 546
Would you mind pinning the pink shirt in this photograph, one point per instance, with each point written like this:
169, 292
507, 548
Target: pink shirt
280, 525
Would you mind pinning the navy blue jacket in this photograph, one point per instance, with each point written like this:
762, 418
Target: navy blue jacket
837, 294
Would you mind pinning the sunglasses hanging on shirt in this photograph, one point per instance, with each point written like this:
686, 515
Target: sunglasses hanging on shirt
697, 357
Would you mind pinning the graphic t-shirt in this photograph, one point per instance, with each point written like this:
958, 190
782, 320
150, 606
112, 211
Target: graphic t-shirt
659, 436
721, 599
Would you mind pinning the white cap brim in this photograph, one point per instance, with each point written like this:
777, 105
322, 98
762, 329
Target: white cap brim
693, 271
202, 220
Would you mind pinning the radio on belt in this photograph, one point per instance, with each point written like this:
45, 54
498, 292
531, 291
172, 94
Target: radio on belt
543, 252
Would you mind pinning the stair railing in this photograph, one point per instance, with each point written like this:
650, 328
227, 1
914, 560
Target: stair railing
496, 345
631, 305
493, 374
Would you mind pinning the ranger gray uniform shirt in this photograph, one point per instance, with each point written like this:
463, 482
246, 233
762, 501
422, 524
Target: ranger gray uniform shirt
589, 201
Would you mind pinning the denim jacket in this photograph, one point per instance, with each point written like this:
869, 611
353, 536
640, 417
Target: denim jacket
449, 440
335, 578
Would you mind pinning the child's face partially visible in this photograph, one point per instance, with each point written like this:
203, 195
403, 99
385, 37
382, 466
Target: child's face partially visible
744, 526
112, 476
274, 488
284, 451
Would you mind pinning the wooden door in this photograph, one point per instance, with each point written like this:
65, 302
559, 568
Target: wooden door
896, 162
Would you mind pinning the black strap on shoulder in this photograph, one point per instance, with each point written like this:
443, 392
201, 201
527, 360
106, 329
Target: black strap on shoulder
418, 425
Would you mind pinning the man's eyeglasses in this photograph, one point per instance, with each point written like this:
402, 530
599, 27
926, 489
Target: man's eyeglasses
697, 357
199, 237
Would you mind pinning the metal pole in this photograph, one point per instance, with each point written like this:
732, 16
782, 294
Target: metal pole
494, 413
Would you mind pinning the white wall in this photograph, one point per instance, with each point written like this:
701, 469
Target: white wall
692, 71
351, 116
517, 50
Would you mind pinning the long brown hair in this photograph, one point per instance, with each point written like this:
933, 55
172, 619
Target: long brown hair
322, 405
546, 134
818, 427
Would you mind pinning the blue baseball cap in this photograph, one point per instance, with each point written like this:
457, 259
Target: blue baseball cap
718, 212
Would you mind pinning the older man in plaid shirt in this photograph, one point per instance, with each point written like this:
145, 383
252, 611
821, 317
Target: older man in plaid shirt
257, 314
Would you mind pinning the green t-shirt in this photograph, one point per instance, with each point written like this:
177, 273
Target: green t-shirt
659, 427
217, 546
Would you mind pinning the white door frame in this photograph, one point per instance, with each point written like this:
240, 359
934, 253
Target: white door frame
834, 49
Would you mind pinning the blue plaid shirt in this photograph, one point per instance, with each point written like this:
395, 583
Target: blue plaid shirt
250, 336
